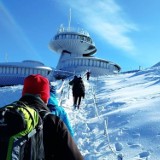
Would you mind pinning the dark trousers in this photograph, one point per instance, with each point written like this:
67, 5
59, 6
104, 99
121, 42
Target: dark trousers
77, 99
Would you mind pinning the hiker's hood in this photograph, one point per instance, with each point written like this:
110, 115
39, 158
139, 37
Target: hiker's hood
53, 100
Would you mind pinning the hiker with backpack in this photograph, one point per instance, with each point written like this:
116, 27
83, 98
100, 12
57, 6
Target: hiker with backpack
78, 91
88, 74
58, 110
53, 142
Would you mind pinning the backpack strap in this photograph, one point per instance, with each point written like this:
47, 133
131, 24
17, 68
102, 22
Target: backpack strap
17, 103
44, 114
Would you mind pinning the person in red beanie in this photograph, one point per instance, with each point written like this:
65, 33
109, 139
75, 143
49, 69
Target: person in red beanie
37, 85
58, 143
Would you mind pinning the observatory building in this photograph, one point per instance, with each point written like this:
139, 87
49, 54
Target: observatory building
77, 49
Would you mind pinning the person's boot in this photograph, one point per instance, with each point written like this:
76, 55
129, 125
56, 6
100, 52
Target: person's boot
75, 106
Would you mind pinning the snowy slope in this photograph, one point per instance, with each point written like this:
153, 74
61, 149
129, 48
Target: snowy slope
126, 110
120, 115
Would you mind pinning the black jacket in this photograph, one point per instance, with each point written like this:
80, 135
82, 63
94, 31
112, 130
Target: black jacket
58, 142
78, 87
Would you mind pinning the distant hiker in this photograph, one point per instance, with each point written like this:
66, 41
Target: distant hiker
88, 74
57, 110
57, 141
78, 91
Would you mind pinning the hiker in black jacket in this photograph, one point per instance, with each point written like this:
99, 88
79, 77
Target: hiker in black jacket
88, 74
58, 143
78, 90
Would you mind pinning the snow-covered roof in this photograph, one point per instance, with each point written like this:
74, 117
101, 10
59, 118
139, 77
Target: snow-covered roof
26, 63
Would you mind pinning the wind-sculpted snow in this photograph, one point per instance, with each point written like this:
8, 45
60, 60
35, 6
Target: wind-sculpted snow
119, 116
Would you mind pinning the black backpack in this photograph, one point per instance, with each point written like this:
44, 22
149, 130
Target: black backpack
21, 133
79, 87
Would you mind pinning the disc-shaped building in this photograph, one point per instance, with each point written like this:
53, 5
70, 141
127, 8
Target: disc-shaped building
14, 73
76, 49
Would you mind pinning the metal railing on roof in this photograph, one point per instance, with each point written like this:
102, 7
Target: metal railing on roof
71, 29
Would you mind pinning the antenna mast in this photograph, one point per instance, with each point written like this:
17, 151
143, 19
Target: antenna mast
69, 22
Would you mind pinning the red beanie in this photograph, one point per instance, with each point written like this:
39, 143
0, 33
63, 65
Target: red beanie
37, 84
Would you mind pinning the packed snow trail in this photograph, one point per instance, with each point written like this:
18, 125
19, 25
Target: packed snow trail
81, 123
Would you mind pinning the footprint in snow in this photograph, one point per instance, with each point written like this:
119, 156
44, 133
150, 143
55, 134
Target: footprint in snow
136, 135
144, 154
118, 146
134, 145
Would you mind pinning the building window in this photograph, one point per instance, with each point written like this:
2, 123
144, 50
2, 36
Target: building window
60, 36
15, 70
97, 65
31, 70
73, 36
94, 64
7, 70
19, 70
27, 71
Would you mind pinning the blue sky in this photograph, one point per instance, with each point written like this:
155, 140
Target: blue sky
125, 32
